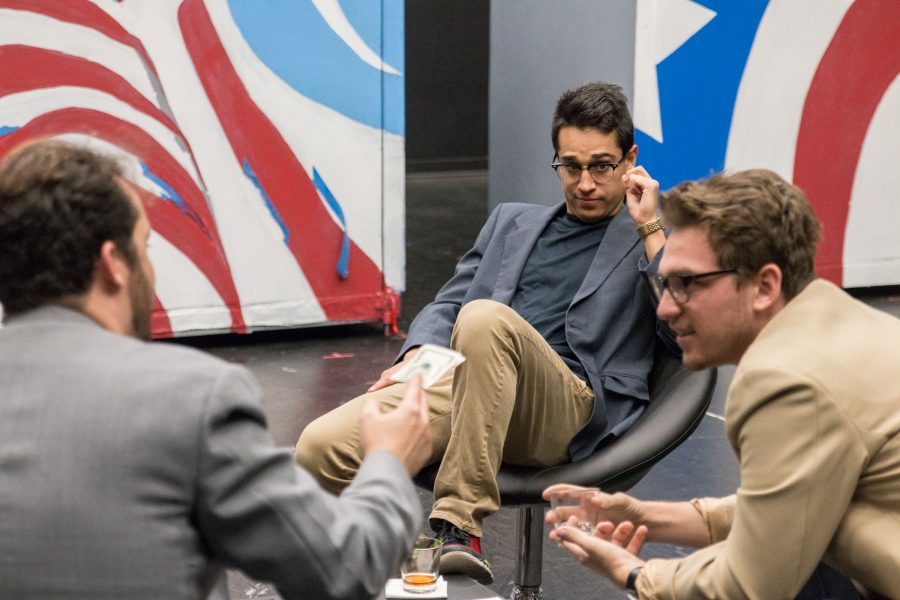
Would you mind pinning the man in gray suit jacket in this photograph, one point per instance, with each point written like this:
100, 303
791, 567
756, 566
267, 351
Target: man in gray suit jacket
138, 470
552, 312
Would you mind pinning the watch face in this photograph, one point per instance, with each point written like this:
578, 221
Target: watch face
631, 595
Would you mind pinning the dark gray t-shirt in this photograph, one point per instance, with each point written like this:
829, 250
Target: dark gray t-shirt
551, 277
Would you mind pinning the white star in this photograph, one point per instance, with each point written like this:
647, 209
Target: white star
662, 27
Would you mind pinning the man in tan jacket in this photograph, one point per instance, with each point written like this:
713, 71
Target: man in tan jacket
813, 412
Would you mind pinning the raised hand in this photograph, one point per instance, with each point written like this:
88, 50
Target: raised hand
404, 431
641, 195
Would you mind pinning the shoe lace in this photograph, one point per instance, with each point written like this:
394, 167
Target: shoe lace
451, 534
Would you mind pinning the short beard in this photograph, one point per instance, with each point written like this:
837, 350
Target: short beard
141, 295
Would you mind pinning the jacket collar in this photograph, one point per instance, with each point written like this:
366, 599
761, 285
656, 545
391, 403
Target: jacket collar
619, 239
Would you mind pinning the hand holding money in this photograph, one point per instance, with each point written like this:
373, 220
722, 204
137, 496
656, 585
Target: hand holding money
436, 362
431, 362
404, 431
385, 379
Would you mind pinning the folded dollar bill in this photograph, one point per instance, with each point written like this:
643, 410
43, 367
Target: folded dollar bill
432, 362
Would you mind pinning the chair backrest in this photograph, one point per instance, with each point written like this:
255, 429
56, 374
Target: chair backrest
679, 399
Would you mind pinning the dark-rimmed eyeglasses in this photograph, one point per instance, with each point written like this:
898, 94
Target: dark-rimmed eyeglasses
570, 172
678, 285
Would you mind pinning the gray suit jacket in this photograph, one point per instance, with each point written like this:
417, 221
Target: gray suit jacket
610, 324
133, 470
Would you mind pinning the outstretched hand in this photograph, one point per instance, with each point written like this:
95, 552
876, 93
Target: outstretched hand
615, 508
404, 431
610, 550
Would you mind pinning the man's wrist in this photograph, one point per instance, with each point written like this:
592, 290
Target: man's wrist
649, 227
631, 580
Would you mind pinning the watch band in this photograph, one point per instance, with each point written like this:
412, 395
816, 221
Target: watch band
649, 227
631, 581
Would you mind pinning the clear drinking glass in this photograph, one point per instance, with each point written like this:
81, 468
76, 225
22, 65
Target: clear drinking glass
574, 508
421, 568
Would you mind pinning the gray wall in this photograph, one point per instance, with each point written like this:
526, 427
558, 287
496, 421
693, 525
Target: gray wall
539, 49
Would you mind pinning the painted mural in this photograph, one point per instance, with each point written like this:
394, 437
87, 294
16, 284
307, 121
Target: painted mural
264, 138
807, 88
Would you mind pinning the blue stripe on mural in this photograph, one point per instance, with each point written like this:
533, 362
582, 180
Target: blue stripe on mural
292, 39
251, 175
168, 193
343, 260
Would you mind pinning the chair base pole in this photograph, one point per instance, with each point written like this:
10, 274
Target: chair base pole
529, 549
519, 593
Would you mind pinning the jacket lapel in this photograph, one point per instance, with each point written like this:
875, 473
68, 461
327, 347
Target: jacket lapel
618, 241
516, 248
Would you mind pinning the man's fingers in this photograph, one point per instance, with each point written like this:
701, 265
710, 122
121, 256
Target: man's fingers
370, 409
382, 382
622, 533
577, 551
422, 398
412, 397
604, 530
560, 488
638, 540
617, 501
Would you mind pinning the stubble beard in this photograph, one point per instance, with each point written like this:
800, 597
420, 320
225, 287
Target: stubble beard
141, 295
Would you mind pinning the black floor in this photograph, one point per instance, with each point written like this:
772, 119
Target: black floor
307, 372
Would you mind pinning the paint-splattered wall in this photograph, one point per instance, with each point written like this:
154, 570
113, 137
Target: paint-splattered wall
265, 139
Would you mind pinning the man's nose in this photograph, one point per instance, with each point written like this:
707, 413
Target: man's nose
585, 181
667, 308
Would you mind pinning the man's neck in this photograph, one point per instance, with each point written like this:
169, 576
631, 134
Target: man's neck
105, 310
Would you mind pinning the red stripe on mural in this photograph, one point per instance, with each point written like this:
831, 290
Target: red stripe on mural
86, 14
315, 239
159, 320
27, 68
136, 141
169, 222
856, 70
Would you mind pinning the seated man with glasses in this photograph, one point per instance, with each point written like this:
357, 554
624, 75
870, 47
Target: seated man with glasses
555, 318
813, 413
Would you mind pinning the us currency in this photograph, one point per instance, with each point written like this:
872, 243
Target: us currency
432, 362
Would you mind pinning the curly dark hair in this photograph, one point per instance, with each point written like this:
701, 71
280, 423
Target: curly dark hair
59, 203
752, 218
601, 106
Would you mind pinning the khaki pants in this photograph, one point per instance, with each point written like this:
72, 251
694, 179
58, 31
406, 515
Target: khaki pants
513, 400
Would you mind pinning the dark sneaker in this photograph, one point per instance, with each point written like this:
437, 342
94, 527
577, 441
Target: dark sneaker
462, 554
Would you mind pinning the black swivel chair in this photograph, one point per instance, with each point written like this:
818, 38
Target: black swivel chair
679, 399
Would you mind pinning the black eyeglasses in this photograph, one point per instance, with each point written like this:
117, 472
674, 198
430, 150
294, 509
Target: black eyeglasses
570, 172
678, 284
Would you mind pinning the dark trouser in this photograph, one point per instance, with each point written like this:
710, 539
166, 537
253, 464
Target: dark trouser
828, 584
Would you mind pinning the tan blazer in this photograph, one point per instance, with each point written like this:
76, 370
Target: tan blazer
813, 414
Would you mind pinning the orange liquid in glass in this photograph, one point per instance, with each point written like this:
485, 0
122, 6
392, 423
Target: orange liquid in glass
420, 579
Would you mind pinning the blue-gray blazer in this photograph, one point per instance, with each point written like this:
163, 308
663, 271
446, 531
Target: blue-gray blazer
610, 325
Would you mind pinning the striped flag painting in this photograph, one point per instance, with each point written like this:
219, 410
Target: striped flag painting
807, 88
274, 184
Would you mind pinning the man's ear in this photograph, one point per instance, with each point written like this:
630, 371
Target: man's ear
110, 269
768, 287
631, 155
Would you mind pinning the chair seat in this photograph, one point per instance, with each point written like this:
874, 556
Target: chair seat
678, 402
679, 399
